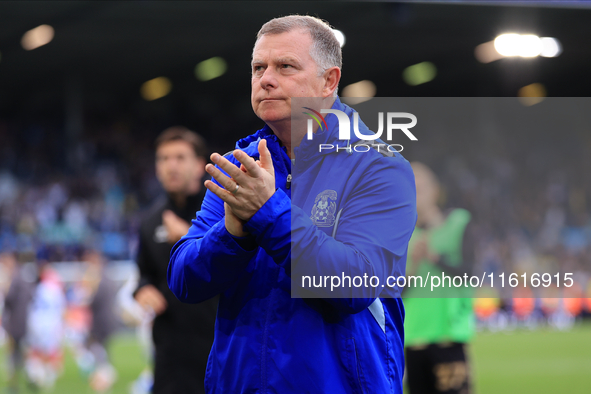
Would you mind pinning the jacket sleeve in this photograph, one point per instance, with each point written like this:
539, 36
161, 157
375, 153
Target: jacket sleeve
207, 260
372, 236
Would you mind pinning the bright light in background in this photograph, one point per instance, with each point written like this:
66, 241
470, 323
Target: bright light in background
507, 44
531, 46
486, 53
527, 45
359, 92
532, 94
210, 68
550, 47
340, 37
37, 37
523, 45
419, 73
155, 88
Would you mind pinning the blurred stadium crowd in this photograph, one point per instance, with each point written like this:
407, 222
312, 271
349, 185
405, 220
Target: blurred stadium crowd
527, 192
531, 206
53, 203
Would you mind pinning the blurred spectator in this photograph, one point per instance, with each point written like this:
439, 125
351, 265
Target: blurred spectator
104, 320
133, 314
182, 333
45, 329
437, 330
14, 318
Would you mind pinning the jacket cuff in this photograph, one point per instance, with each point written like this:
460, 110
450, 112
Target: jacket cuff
267, 216
235, 245
248, 243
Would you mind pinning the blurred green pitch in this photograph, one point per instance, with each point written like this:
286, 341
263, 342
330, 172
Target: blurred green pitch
126, 356
541, 361
520, 362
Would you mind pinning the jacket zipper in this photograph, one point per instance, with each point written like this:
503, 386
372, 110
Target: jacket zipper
288, 182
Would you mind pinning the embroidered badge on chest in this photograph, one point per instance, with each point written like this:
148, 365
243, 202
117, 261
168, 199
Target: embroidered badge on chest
323, 211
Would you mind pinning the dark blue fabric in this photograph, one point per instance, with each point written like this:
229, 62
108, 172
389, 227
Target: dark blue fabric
266, 341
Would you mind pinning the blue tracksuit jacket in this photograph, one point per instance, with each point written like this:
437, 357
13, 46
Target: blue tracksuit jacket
266, 341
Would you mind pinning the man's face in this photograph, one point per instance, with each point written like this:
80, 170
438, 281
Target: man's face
283, 68
177, 166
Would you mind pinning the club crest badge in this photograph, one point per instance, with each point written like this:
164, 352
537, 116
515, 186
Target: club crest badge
323, 211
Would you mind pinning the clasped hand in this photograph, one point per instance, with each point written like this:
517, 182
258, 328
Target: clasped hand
246, 189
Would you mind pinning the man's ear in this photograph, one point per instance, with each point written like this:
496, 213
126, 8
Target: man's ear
332, 76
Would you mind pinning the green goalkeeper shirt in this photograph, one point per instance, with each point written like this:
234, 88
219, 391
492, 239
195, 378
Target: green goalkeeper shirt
450, 316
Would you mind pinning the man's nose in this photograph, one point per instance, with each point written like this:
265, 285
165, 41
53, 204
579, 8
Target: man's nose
173, 164
269, 79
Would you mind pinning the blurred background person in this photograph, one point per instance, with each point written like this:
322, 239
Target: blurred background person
104, 320
437, 329
45, 329
14, 317
182, 334
134, 315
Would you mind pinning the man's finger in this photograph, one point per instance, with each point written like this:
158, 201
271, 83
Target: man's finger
228, 183
243, 169
230, 168
248, 163
224, 194
265, 157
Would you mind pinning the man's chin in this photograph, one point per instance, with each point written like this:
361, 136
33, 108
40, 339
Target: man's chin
174, 189
274, 116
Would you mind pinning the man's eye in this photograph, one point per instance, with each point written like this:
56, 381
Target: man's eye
286, 66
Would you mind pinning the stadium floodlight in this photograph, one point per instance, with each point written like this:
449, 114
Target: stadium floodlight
340, 37
359, 92
550, 47
419, 73
155, 88
210, 69
37, 37
526, 45
531, 46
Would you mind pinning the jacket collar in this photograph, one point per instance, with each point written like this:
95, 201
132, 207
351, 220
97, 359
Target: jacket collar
309, 149
265, 132
279, 154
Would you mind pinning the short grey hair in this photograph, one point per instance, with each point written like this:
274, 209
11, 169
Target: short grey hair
325, 50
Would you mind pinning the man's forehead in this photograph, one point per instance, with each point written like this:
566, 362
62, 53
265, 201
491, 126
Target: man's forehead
279, 58
292, 41
174, 146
